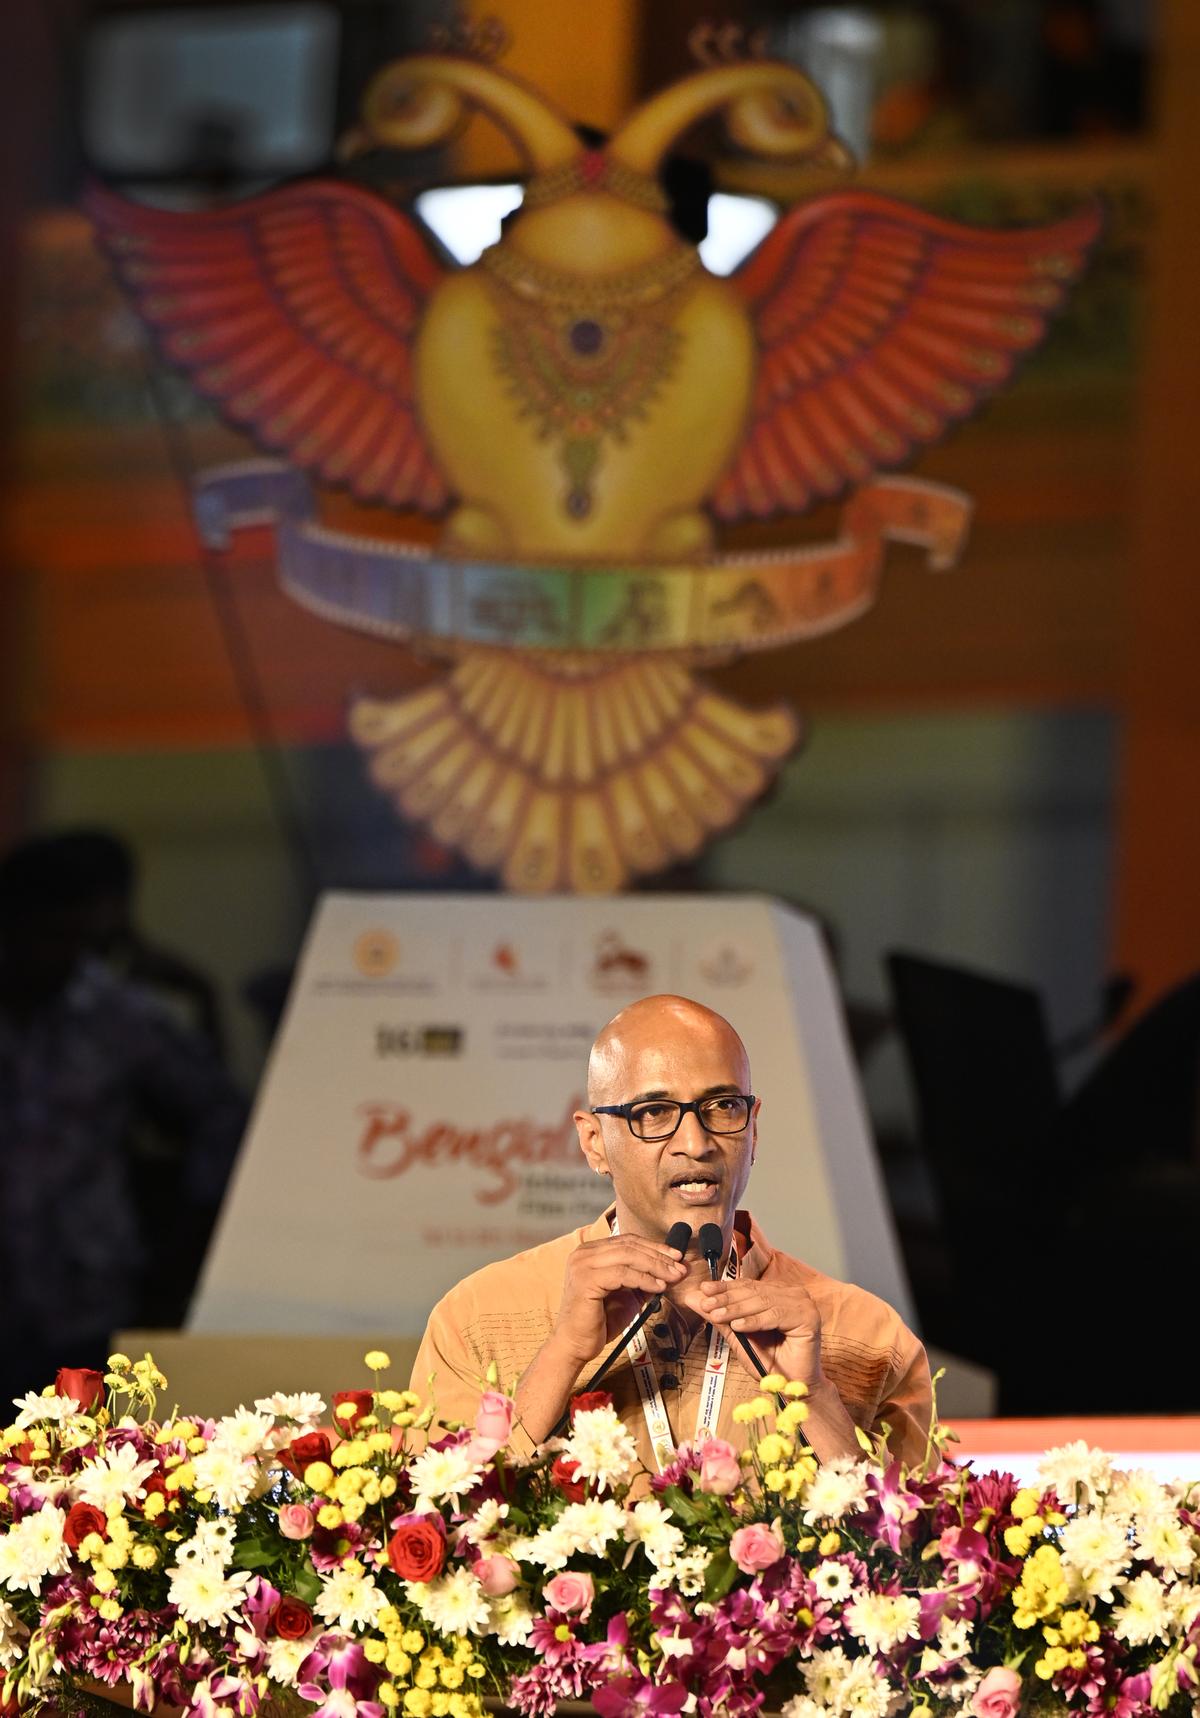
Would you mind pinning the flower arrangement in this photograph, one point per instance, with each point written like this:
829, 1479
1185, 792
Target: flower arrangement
216, 1565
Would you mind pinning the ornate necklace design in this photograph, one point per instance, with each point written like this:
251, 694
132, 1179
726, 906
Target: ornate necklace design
584, 356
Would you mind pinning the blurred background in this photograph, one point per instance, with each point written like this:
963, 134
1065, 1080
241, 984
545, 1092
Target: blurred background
995, 811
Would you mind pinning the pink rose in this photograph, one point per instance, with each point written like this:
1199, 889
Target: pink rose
295, 1521
493, 1421
998, 1695
497, 1575
756, 1547
570, 1594
720, 1471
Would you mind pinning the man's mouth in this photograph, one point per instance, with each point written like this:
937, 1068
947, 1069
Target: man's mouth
696, 1186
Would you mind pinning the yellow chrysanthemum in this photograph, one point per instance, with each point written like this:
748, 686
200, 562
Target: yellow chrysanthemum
1042, 1590
318, 1476
418, 1702
376, 1360
774, 1382
1025, 1504
774, 1448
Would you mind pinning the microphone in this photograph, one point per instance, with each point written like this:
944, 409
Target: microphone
711, 1242
679, 1236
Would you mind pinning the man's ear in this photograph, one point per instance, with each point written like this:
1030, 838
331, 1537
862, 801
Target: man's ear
591, 1140
754, 1130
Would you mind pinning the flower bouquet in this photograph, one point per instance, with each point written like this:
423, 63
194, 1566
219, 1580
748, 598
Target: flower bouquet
215, 1566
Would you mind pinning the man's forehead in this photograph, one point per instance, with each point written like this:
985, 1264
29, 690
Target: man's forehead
662, 1042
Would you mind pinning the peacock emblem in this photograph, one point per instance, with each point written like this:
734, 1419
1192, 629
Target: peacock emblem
584, 407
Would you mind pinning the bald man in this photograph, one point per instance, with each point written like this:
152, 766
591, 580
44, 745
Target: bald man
673, 1123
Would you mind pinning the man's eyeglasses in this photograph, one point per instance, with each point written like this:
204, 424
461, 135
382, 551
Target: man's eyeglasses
659, 1118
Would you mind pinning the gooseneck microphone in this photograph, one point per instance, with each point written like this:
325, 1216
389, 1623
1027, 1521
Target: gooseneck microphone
678, 1236
711, 1243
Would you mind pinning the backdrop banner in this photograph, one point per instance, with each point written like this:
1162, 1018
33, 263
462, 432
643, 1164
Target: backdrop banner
414, 1122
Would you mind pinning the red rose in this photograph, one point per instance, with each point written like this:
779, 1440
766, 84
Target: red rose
587, 1400
417, 1549
81, 1383
291, 1619
362, 1402
84, 1518
302, 1452
565, 1475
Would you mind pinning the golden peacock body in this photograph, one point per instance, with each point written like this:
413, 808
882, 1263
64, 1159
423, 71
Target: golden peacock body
586, 395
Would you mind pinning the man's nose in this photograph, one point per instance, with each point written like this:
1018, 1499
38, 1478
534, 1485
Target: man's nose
692, 1136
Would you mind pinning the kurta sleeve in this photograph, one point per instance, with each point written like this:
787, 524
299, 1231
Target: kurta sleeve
907, 1404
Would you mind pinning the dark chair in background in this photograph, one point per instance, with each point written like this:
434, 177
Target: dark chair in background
1067, 1225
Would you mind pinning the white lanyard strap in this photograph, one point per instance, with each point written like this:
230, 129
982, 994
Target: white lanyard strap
715, 1368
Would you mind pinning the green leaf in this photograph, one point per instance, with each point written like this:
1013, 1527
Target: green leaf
306, 1584
253, 1554
681, 1506
720, 1575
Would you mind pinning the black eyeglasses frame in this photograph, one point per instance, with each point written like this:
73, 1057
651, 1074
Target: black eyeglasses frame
692, 1104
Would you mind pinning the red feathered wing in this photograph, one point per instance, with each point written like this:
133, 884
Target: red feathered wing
294, 312
877, 326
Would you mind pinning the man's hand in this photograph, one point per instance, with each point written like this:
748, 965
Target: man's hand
782, 1323
784, 1327
599, 1295
601, 1287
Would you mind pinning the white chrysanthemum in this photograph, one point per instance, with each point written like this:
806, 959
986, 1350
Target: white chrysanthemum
33, 1549
837, 1488
802, 1706
592, 1525
511, 1619
1139, 1496
1143, 1614
36, 1409
865, 1693
439, 1476
349, 1598
204, 1594
833, 1581
1169, 1544
1095, 1551
649, 1525
882, 1620
485, 1523
244, 1433
455, 1603
686, 1572
304, 1406
824, 1676
14, 1636
230, 1477
212, 1542
954, 1638
1077, 1472
602, 1447
1184, 1600
284, 1658
112, 1478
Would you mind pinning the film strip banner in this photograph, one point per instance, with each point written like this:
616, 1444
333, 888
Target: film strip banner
734, 602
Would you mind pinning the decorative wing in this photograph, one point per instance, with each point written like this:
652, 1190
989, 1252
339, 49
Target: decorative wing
878, 325
295, 312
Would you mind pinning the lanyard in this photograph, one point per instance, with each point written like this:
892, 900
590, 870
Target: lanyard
715, 1367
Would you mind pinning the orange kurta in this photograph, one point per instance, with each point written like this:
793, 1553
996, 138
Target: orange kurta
503, 1313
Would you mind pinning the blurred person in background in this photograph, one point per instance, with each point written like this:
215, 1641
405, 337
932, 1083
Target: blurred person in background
87, 1058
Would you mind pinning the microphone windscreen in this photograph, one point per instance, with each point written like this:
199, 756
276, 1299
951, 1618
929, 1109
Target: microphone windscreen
711, 1241
679, 1236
